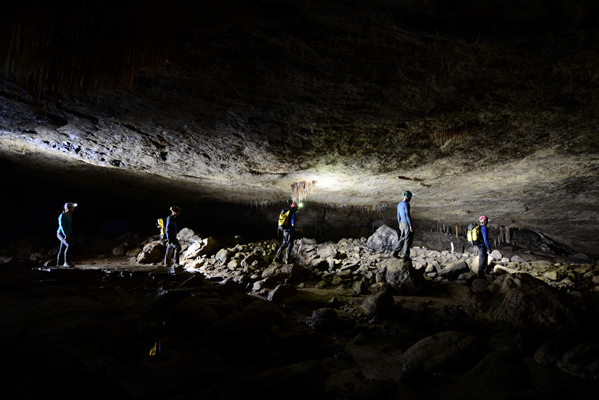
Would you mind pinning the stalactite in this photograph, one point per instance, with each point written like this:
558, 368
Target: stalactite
301, 190
73, 50
450, 135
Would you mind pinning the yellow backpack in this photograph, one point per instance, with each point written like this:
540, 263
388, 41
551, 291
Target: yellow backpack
473, 234
161, 224
284, 221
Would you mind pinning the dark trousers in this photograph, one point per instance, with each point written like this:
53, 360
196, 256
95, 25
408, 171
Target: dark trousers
482, 260
405, 241
287, 243
64, 245
174, 248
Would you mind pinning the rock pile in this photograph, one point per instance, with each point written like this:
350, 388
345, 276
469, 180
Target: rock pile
363, 264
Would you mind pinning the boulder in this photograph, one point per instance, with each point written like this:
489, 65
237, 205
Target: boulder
454, 270
327, 320
151, 253
286, 272
223, 255
118, 251
205, 246
401, 276
444, 352
327, 250
383, 240
379, 304
531, 304
518, 260
185, 234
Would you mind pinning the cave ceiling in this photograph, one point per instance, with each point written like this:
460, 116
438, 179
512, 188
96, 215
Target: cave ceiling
475, 110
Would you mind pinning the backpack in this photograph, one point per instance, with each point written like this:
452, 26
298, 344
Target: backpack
473, 234
285, 218
161, 224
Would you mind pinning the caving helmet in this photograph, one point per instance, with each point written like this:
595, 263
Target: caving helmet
293, 205
407, 194
69, 204
176, 209
483, 219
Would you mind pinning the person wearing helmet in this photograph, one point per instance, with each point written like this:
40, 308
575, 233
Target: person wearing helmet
405, 228
288, 233
65, 232
172, 243
483, 246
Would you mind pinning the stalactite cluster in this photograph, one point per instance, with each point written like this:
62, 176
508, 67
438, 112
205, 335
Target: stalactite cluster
301, 190
64, 47
450, 135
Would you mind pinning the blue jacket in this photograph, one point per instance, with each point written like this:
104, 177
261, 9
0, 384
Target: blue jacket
292, 222
65, 224
171, 228
403, 213
483, 233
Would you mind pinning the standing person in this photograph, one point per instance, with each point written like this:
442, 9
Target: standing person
65, 232
483, 246
172, 243
405, 228
287, 222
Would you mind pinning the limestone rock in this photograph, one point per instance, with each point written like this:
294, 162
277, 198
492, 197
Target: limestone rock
383, 240
531, 303
204, 247
401, 276
496, 255
151, 253
453, 270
